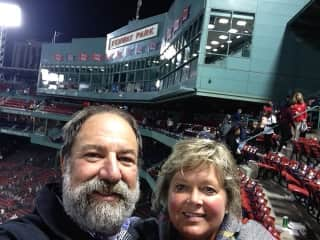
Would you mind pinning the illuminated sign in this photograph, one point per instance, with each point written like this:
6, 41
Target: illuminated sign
132, 37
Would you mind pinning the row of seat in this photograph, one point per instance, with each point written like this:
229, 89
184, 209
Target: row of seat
307, 147
16, 103
301, 179
19, 184
60, 109
255, 204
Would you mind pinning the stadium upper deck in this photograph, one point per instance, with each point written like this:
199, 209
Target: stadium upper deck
238, 50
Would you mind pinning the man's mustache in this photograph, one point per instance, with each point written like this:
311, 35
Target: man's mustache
96, 185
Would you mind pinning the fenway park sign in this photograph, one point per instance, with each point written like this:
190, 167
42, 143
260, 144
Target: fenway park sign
132, 37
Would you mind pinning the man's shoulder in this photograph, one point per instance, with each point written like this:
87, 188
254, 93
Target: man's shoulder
29, 226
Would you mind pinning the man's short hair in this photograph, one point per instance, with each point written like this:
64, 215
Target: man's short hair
73, 126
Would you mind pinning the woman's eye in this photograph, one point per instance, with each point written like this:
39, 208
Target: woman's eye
209, 190
180, 187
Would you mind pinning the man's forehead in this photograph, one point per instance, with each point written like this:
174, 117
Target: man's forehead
106, 128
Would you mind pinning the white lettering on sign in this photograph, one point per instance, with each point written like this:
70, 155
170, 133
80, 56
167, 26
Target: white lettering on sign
138, 35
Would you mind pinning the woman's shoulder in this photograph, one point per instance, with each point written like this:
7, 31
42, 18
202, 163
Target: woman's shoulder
254, 230
145, 229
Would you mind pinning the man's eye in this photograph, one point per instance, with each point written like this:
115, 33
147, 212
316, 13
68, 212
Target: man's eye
92, 155
126, 159
180, 187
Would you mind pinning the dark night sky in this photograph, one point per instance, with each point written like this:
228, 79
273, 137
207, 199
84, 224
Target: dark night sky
79, 18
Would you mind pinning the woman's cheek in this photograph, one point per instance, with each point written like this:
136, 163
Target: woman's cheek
175, 202
217, 205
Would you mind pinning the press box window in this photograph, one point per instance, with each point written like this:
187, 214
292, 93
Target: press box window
229, 34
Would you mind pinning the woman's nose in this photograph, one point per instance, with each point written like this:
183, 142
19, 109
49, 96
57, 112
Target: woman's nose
195, 197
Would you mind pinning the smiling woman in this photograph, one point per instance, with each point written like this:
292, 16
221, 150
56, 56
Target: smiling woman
198, 197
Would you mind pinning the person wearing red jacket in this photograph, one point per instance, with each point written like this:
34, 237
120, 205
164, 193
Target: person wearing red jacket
298, 110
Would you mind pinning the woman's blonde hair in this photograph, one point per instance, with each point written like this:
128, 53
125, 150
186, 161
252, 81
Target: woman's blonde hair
297, 97
194, 153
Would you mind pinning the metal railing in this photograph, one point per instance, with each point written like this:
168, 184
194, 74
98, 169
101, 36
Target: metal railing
242, 143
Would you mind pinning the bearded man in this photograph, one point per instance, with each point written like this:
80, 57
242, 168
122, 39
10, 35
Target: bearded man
100, 186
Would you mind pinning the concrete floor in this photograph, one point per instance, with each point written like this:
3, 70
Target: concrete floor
283, 203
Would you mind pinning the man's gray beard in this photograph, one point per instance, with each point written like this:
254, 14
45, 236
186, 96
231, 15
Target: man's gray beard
98, 216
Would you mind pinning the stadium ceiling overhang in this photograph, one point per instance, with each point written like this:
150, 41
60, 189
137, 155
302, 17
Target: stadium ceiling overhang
306, 25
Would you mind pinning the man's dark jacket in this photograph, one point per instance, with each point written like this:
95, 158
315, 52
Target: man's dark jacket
47, 221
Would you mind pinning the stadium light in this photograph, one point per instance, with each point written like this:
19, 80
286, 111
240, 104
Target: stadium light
10, 15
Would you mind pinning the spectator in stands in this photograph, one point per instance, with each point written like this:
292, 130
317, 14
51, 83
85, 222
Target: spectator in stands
206, 133
225, 126
285, 123
268, 123
232, 140
100, 185
198, 192
236, 117
298, 110
170, 124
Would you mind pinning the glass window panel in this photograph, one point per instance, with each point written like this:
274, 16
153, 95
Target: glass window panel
165, 82
186, 37
187, 54
122, 81
115, 77
153, 73
147, 86
142, 63
242, 23
131, 76
167, 67
200, 24
212, 58
117, 68
96, 80
147, 74
185, 72
178, 75
195, 45
132, 65
240, 45
220, 23
228, 34
139, 76
171, 79
194, 29
194, 68
85, 76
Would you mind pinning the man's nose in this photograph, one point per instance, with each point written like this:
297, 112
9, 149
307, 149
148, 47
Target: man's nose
110, 171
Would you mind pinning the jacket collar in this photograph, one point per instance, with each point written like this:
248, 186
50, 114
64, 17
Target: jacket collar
49, 207
229, 228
